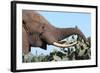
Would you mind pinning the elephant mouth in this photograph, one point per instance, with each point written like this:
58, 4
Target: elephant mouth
63, 44
55, 42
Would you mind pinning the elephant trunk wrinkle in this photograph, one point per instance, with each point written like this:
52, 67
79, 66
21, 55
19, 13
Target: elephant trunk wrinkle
66, 32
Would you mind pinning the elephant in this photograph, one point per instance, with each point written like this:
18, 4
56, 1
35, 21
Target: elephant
38, 32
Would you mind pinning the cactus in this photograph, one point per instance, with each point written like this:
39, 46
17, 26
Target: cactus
80, 51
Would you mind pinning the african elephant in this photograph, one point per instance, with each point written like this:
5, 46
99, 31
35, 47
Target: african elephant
38, 32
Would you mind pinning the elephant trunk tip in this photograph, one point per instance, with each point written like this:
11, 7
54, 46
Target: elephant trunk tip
80, 33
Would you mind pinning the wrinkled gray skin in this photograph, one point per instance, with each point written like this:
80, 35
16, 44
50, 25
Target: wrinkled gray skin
38, 32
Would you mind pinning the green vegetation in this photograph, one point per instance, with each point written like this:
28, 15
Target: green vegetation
80, 51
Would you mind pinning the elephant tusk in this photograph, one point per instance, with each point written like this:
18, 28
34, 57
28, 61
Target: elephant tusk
64, 45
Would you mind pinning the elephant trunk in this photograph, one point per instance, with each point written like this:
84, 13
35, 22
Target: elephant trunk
66, 32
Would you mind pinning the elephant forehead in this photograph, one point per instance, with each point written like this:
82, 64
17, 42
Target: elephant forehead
29, 15
35, 18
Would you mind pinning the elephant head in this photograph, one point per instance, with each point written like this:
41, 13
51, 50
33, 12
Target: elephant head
38, 32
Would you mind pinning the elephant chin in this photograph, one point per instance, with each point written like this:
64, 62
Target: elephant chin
64, 45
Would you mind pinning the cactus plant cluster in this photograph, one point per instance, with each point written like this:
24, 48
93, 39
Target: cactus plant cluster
80, 51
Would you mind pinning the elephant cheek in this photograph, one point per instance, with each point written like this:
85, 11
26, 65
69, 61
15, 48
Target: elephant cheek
39, 43
49, 38
35, 41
